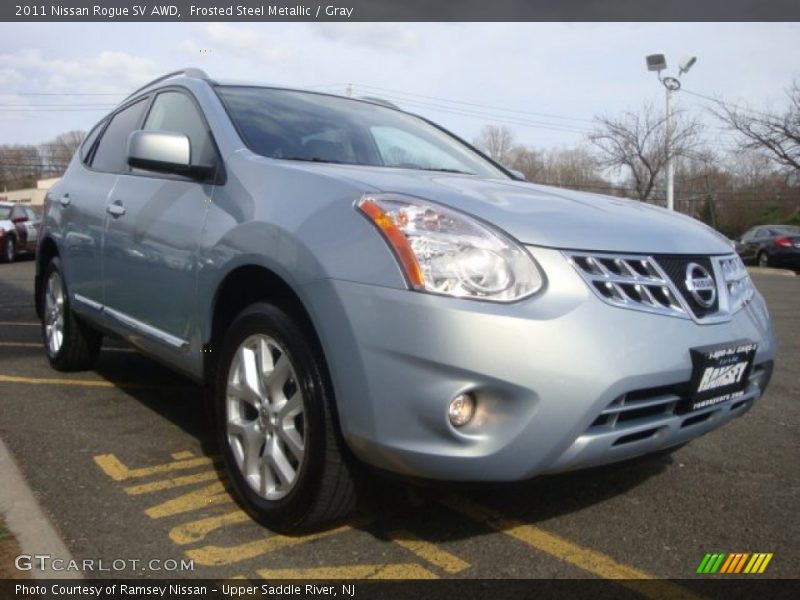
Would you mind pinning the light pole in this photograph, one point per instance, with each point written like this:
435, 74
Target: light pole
657, 62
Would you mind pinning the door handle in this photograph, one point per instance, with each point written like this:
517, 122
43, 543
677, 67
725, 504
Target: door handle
115, 209
64, 200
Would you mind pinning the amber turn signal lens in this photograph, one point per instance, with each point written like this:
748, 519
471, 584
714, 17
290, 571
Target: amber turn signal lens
397, 240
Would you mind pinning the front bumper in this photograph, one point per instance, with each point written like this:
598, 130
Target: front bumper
544, 371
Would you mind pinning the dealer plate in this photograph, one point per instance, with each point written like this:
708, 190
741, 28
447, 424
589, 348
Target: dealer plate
720, 372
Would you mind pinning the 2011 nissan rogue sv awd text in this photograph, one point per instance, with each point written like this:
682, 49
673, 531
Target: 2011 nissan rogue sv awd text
355, 284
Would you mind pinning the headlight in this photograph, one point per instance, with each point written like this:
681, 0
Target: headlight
737, 282
446, 252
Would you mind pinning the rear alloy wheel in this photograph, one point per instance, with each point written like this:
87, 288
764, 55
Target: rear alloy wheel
275, 425
9, 250
763, 259
71, 345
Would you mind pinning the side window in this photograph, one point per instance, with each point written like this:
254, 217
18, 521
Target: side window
749, 235
86, 147
17, 212
174, 111
113, 147
31, 214
762, 233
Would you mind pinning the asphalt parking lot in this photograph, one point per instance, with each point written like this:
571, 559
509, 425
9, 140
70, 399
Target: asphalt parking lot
120, 459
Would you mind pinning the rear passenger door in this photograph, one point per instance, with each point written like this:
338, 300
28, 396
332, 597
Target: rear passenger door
154, 221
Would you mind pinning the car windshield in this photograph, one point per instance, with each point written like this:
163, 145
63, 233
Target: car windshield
293, 125
5, 213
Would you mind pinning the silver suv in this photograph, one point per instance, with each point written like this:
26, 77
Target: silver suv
354, 284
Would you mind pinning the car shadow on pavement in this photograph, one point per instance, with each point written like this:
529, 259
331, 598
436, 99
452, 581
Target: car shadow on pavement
390, 503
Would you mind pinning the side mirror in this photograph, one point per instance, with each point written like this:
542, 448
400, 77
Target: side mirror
165, 152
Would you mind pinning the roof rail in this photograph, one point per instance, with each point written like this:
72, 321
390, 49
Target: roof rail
189, 72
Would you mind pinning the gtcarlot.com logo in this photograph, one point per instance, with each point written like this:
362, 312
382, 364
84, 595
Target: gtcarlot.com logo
736, 562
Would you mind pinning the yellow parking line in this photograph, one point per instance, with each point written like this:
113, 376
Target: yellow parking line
226, 555
211, 495
168, 484
428, 551
182, 455
86, 383
194, 531
56, 381
116, 470
591, 561
391, 571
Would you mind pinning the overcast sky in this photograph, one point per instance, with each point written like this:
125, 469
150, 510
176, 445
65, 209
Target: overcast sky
558, 76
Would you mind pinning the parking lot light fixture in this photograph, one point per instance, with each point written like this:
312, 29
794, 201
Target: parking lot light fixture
657, 62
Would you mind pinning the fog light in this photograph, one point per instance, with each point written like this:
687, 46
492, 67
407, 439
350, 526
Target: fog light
462, 409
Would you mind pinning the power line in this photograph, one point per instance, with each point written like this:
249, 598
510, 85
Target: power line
495, 108
506, 119
723, 103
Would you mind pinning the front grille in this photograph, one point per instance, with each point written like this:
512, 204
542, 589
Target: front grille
658, 283
632, 413
629, 282
675, 267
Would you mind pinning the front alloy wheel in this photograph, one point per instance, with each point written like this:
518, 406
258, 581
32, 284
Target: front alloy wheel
763, 260
273, 406
265, 417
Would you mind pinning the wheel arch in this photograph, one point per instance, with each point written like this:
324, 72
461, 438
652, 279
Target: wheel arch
243, 286
47, 251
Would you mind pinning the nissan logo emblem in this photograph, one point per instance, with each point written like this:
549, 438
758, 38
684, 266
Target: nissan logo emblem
700, 285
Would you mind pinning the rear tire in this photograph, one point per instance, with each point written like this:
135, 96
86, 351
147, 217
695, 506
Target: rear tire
70, 344
275, 426
9, 250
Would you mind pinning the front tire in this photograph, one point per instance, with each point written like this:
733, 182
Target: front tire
70, 344
275, 427
763, 260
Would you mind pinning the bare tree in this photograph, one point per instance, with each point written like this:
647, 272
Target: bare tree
20, 166
57, 153
576, 168
497, 143
777, 134
635, 143
528, 161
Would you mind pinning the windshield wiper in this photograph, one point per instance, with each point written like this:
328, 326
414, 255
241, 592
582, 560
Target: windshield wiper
446, 170
314, 159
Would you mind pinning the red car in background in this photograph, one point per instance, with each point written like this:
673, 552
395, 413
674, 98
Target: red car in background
19, 230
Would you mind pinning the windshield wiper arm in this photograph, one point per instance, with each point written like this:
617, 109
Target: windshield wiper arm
447, 171
313, 159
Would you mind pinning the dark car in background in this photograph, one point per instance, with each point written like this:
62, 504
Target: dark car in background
19, 230
771, 246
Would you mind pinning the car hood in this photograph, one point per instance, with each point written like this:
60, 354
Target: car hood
549, 216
